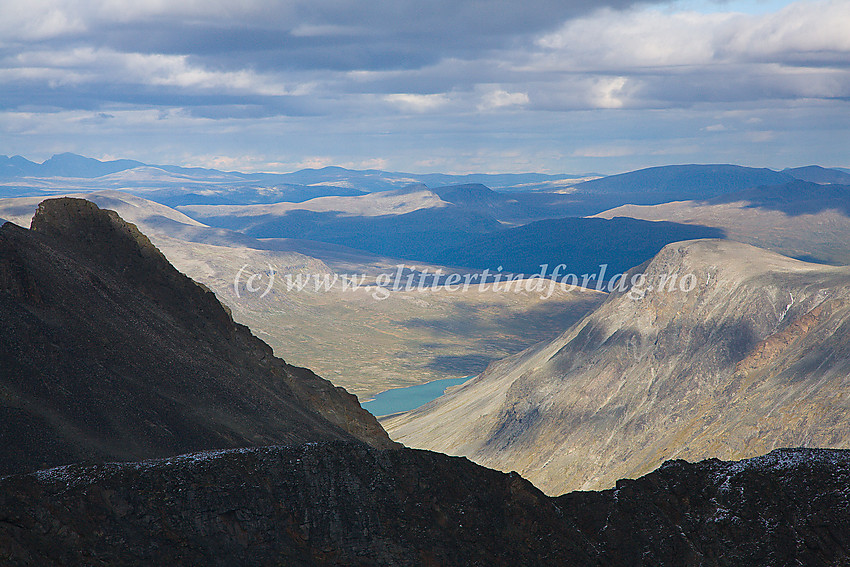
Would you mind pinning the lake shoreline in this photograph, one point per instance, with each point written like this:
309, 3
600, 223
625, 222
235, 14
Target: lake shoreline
394, 401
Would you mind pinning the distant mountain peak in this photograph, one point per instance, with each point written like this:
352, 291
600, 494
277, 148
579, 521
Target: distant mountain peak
693, 181
818, 174
68, 164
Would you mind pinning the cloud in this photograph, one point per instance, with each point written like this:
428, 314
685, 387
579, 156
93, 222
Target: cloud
491, 83
37, 20
316, 162
377, 34
418, 102
500, 98
802, 32
337, 56
801, 51
91, 65
758, 137
372, 163
608, 92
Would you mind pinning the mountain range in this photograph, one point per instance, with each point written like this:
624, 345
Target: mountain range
683, 181
591, 193
326, 504
111, 357
461, 225
459, 221
329, 179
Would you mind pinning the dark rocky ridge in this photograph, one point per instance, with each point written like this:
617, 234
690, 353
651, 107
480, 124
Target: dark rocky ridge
347, 504
790, 507
107, 352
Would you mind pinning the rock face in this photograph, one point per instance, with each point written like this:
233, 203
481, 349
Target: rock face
755, 356
346, 504
107, 352
789, 507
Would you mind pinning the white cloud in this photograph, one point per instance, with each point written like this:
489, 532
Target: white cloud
372, 163
758, 137
418, 102
38, 19
315, 162
42, 19
308, 30
650, 58
609, 92
640, 38
813, 28
500, 98
647, 38
90, 65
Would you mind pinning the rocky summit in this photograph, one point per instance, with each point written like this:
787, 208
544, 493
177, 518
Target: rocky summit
109, 353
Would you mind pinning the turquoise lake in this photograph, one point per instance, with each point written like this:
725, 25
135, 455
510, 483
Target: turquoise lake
411, 397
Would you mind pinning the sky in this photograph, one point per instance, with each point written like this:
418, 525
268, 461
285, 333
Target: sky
451, 86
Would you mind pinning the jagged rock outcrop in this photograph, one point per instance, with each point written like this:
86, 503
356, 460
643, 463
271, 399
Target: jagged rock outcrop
345, 504
108, 352
755, 355
789, 507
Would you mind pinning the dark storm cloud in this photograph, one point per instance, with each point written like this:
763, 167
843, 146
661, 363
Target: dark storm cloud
323, 34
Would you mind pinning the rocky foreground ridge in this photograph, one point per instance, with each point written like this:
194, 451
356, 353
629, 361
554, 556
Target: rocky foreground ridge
340, 503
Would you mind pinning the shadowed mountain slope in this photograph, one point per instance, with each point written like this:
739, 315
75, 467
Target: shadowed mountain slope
341, 504
798, 219
581, 244
108, 352
756, 355
818, 174
410, 235
678, 182
793, 198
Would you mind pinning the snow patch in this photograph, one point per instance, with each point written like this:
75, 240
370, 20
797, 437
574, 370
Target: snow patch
787, 307
782, 460
77, 474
